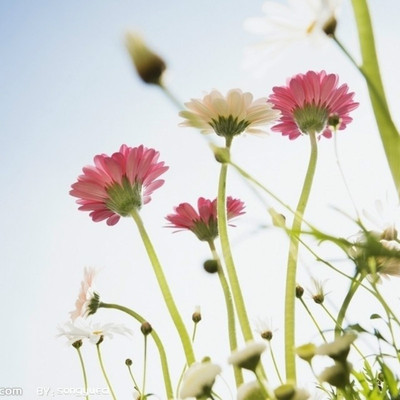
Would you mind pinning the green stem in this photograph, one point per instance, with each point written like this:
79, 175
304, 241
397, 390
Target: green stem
292, 263
166, 292
83, 372
389, 134
144, 366
355, 284
157, 341
229, 309
313, 319
104, 372
136, 386
275, 363
227, 254
171, 96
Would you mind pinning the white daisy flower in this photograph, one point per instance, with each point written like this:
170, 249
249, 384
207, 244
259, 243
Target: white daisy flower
250, 391
249, 356
339, 348
229, 115
199, 379
81, 329
286, 24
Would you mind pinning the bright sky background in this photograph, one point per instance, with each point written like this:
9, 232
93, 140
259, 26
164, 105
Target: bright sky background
68, 92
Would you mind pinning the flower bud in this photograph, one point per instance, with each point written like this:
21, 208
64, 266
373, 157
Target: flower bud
128, 362
299, 291
306, 352
148, 64
146, 328
210, 266
196, 316
330, 26
77, 344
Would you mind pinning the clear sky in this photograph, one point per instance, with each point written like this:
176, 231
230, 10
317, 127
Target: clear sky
68, 92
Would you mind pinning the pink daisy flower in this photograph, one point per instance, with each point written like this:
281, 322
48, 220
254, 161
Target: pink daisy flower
88, 299
118, 184
312, 102
203, 223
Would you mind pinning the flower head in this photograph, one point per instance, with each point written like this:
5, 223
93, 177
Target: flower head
250, 391
312, 103
88, 300
284, 25
249, 356
228, 115
199, 379
339, 349
337, 375
149, 65
203, 221
81, 329
118, 184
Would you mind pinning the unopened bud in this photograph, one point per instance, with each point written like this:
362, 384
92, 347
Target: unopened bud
221, 154
211, 266
128, 362
267, 335
330, 26
299, 291
148, 64
318, 298
146, 328
285, 392
196, 316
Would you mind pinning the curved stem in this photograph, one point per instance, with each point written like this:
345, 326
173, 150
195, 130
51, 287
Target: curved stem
157, 341
275, 363
165, 290
355, 284
171, 96
83, 372
292, 263
227, 254
389, 134
104, 372
230, 311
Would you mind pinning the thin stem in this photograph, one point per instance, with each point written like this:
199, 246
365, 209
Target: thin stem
136, 386
275, 363
227, 254
157, 341
171, 96
83, 372
165, 290
144, 365
229, 310
292, 263
355, 284
313, 319
104, 372
335, 140
328, 313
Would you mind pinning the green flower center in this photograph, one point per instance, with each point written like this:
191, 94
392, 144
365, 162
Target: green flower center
124, 199
228, 127
206, 231
311, 118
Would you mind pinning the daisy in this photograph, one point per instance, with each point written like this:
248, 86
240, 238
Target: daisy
337, 375
249, 356
118, 184
203, 221
287, 24
289, 392
312, 103
149, 65
250, 390
95, 332
339, 348
88, 300
199, 380
228, 115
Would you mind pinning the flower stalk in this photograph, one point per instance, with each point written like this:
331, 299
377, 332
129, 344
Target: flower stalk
103, 370
165, 290
157, 341
292, 263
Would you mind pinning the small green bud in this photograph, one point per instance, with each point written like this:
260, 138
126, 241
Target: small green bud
221, 154
285, 392
210, 266
267, 335
128, 362
77, 344
299, 291
330, 26
146, 328
306, 352
196, 316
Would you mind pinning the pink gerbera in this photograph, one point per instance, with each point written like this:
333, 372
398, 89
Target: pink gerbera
203, 223
117, 185
312, 103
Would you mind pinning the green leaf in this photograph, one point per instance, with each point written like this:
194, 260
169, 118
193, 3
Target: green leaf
375, 316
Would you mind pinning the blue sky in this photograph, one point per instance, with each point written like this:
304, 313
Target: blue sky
68, 92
